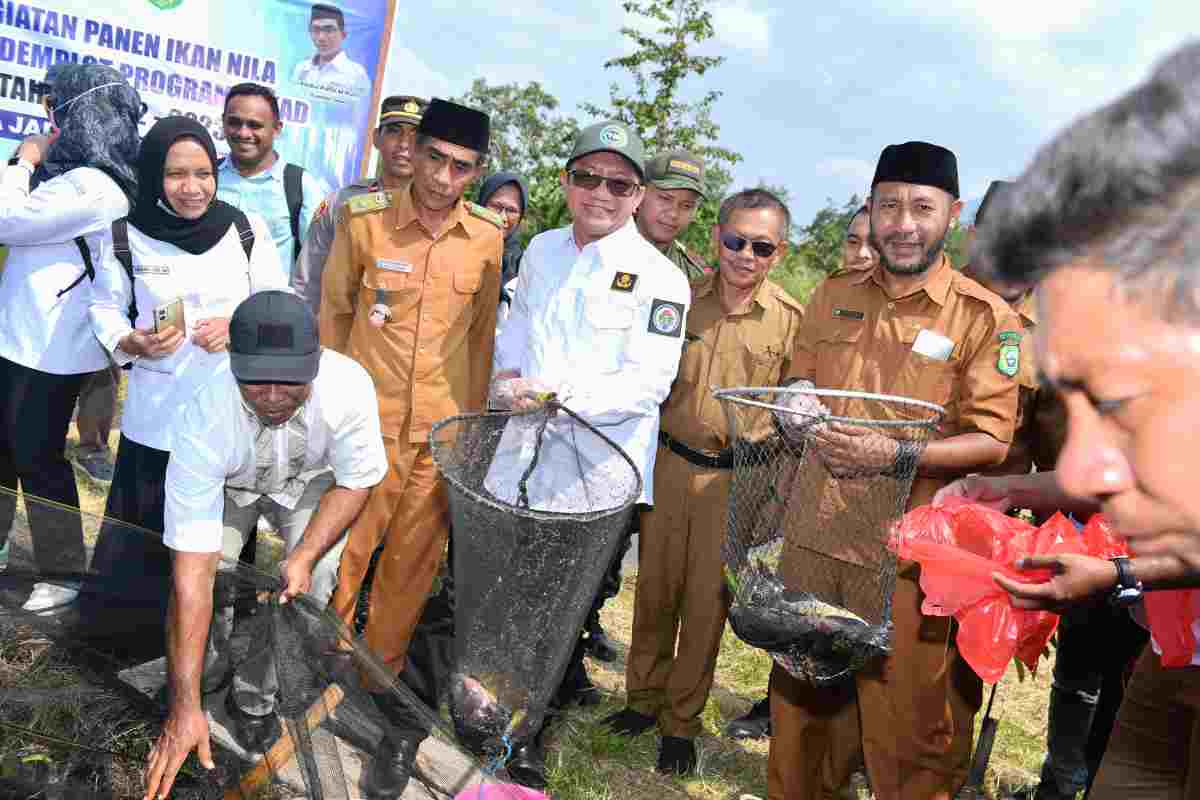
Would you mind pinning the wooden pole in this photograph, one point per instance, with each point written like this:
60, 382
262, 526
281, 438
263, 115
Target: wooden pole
385, 43
284, 748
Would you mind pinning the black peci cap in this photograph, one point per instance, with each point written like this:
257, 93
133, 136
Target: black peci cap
273, 339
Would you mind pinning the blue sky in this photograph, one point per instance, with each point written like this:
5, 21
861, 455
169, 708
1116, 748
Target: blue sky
813, 93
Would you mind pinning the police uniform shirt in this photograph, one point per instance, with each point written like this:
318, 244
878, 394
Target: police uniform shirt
39, 328
210, 284
264, 195
218, 438
687, 263
307, 271
603, 324
339, 77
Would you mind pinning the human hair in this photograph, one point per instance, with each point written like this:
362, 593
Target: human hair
252, 90
424, 139
863, 209
325, 11
1121, 188
749, 199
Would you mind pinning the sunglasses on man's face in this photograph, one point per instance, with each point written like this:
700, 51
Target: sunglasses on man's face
618, 187
736, 244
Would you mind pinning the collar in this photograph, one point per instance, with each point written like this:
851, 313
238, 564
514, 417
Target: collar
406, 213
274, 172
623, 232
1026, 308
936, 286
762, 294
333, 62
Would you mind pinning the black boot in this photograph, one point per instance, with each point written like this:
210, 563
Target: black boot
676, 756
392, 766
599, 646
527, 764
628, 722
755, 724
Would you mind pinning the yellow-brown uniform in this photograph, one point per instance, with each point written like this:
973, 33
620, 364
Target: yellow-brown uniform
428, 347
916, 708
680, 589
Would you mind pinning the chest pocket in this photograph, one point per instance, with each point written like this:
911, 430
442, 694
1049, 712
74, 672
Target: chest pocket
764, 363
836, 353
925, 378
611, 322
396, 290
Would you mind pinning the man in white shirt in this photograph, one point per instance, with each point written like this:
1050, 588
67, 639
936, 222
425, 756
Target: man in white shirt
330, 73
598, 319
293, 434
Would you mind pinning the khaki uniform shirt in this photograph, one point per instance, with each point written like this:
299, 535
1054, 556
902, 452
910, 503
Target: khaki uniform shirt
855, 336
1041, 426
433, 357
747, 348
688, 264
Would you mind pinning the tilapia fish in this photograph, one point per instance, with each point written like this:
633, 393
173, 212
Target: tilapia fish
482, 715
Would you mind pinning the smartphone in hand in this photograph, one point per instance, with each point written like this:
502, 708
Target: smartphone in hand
170, 315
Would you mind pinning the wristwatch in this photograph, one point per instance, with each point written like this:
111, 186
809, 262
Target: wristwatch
1128, 590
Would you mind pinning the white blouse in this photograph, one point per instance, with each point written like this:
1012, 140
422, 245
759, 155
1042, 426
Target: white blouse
210, 285
39, 328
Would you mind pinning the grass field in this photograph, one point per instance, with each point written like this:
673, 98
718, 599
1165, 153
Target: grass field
585, 761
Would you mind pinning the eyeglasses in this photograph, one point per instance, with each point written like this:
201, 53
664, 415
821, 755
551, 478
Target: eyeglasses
737, 244
617, 187
507, 211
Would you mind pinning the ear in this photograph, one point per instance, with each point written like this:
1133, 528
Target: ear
955, 209
375, 138
562, 180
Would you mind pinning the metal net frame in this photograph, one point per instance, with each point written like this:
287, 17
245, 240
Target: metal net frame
819, 476
83, 694
539, 502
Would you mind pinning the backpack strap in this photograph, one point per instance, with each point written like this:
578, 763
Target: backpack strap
120, 239
89, 271
293, 191
245, 232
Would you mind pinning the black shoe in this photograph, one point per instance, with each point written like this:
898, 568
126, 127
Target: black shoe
391, 767
527, 765
578, 688
755, 724
251, 731
628, 722
676, 756
600, 646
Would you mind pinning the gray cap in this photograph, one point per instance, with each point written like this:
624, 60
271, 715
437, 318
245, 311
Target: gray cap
612, 136
273, 339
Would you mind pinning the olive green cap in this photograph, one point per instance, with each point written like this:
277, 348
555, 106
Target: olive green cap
612, 136
676, 169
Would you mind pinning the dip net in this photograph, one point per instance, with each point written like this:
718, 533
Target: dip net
538, 502
82, 682
819, 476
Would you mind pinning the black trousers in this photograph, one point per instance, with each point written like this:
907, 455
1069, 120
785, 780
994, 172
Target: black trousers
124, 603
35, 412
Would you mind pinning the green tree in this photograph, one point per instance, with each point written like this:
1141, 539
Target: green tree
661, 64
820, 241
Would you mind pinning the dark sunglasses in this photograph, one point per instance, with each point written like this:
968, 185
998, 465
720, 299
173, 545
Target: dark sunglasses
737, 244
618, 187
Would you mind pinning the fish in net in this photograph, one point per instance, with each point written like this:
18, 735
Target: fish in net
819, 476
83, 695
538, 504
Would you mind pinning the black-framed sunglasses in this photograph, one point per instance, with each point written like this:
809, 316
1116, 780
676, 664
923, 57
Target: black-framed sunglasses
618, 187
736, 244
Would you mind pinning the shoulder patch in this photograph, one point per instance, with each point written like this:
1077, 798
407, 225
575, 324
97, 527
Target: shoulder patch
485, 213
321, 211
666, 318
367, 203
1009, 362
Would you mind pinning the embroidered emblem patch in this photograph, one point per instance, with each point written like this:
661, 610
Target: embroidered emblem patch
624, 282
1009, 362
666, 318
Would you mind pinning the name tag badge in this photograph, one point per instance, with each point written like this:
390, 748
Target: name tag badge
393, 266
151, 269
933, 345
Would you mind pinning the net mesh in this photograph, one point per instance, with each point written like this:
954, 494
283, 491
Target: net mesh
538, 503
818, 478
82, 683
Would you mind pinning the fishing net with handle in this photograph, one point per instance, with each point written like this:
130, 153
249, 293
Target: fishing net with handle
819, 476
538, 502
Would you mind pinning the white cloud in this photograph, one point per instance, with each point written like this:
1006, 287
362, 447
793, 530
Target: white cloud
739, 26
408, 74
853, 170
1023, 19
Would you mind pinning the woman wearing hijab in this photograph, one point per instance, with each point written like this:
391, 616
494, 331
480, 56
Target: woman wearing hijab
58, 196
507, 195
186, 256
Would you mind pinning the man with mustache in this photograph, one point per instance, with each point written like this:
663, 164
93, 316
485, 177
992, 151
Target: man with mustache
915, 327
394, 136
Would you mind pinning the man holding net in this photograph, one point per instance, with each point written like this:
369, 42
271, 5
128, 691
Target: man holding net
739, 332
292, 434
916, 328
597, 322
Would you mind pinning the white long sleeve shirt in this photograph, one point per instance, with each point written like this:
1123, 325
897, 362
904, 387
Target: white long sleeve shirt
603, 325
39, 328
211, 285
217, 440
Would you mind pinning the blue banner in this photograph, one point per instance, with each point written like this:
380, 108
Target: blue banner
183, 55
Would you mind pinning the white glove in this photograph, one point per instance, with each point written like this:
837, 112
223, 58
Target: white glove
806, 410
518, 394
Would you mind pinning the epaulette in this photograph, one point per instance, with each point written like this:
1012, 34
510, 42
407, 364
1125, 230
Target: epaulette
692, 259
969, 287
367, 203
485, 213
785, 298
